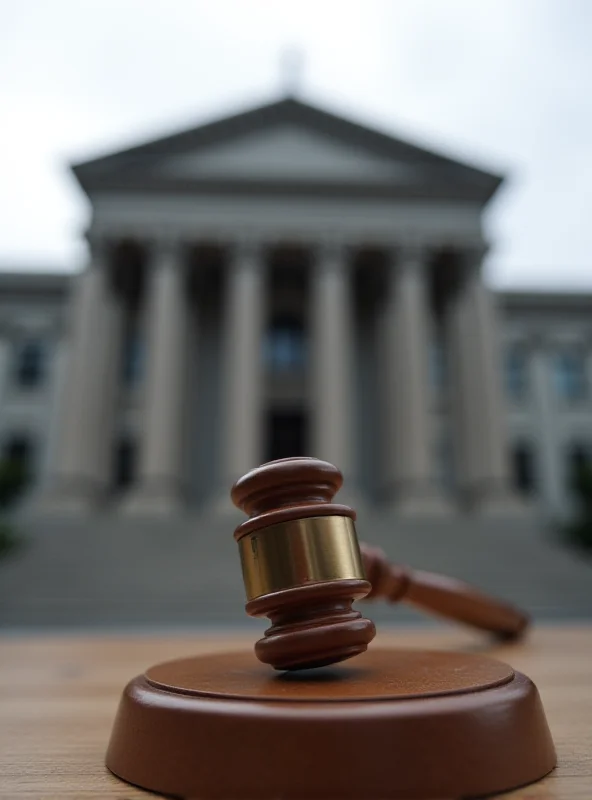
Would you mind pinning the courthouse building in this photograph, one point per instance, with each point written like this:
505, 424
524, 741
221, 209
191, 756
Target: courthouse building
287, 282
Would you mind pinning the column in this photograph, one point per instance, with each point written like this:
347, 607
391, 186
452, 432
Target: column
481, 438
243, 368
331, 357
78, 477
407, 440
160, 479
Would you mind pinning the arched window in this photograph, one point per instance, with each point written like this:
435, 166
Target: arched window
285, 345
31, 363
523, 468
570, 374
516, 372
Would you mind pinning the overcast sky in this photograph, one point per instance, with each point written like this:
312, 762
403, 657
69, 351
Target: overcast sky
506, 84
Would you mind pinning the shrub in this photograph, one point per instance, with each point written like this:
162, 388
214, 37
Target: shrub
579, 530
13, 481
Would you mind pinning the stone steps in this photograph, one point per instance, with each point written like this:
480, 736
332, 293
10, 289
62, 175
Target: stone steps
115, 573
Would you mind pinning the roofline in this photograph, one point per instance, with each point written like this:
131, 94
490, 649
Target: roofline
250, 119
34, 281
545, 297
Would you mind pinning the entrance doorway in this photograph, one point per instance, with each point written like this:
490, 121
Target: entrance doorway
286, 434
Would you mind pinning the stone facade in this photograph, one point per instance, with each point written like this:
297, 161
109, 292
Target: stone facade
286, 282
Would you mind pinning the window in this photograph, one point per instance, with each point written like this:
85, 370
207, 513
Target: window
516, 372
133, 360
523, 468
286, 434
570, 375
31, 363
285, 346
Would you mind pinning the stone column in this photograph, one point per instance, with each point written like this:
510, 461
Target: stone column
160, 479
79, 475
481, 437
407, 440
244, 318
331, 359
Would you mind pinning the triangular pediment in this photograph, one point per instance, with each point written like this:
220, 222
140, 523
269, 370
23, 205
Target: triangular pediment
286, 152
287, 143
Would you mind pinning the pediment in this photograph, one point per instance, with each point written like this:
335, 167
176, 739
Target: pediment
288, 143
289, 153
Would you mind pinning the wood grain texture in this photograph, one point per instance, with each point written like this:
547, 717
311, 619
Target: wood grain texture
58, 697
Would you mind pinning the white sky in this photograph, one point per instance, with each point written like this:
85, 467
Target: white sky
506, 84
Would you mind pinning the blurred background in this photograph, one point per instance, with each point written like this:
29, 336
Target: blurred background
235, 232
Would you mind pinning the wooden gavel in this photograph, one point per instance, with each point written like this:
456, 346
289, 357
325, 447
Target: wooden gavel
303, 567
440, 595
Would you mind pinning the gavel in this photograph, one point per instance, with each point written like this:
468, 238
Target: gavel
303, 567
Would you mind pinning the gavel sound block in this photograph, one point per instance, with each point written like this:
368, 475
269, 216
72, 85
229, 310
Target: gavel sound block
336, 719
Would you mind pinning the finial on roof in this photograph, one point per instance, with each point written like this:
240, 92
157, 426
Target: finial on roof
291, 69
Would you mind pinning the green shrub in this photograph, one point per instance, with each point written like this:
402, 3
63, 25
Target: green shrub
579, 530
13, 480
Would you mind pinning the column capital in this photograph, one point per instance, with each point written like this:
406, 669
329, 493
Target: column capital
409, 258
331, 254
246, 249
166, 246
414, 251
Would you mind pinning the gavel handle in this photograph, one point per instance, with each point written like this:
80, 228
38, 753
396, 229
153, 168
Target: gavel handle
441, 595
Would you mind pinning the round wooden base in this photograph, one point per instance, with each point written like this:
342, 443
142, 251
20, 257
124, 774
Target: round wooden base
387, 724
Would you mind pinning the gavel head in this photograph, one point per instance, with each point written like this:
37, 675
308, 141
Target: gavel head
301, 564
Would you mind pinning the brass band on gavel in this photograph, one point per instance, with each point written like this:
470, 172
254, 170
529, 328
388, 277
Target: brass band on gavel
299, 551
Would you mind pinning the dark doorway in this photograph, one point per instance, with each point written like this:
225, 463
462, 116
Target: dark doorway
19, 456
125, 464
286, 434
523, 467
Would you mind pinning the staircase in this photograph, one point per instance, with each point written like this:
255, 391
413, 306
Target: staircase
107, 572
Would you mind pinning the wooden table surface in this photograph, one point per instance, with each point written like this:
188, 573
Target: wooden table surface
58, 697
